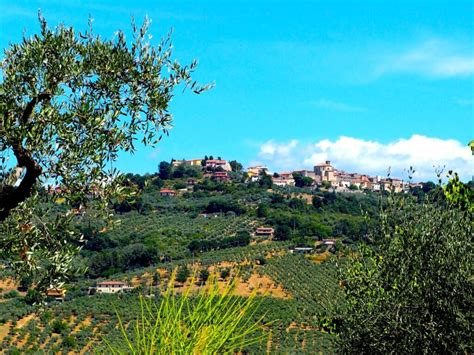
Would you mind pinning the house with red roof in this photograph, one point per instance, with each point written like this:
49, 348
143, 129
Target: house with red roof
167, 192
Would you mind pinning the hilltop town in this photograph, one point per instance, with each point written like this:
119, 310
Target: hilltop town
323, 175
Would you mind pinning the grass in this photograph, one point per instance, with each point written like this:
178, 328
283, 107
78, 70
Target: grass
211, 321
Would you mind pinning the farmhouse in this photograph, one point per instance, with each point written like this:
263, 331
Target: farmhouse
57, 293
265, 232
112, 287
167, 192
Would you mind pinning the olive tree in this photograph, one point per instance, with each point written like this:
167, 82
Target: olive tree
411, 291
69, 103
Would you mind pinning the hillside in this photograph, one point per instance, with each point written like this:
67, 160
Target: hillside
208, 229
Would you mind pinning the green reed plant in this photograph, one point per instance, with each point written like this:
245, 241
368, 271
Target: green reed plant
207, 322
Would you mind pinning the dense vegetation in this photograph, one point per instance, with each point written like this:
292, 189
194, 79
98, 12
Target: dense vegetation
208, 229
412, 291
210, 222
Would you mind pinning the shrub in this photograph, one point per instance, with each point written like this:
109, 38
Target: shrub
413, 291
69, 342
203, 275
11, 294
182, 274
58, 326
225, 273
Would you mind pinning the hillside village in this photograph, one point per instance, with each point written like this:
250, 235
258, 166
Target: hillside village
323, 175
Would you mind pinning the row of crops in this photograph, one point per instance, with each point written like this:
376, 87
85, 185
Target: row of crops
315, 287
232, 255
158, 223
82, 322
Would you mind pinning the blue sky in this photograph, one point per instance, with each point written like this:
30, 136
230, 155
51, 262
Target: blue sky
366, 84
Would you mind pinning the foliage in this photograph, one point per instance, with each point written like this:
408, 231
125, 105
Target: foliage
412, 291
302, 181
203, 275
236, 166
164, 170
211, 322
241, 239
265, 181
57, 326
458, 193
69, 102
182, 274
222, 206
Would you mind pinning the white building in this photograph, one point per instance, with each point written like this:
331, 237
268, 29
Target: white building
112, 287
218, 164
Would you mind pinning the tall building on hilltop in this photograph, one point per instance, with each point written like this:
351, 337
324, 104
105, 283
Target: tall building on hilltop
325, 172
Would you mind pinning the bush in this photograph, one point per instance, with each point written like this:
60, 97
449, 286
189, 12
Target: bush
182, 274
11, 294
203, 275
69, 342
225, 273
413, 291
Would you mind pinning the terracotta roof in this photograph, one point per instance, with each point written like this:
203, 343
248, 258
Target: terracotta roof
167, 190
264, 229
56, 292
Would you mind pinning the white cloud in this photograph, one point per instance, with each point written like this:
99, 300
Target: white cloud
336, 106
422, 153
432, 58
284, 152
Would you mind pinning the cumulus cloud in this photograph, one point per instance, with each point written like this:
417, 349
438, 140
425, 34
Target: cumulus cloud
422, 153
433, 58
284, 151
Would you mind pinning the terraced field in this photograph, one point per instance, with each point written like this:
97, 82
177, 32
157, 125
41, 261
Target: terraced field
296, 294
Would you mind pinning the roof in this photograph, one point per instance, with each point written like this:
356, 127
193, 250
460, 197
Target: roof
326, 163
167, 190
56, 292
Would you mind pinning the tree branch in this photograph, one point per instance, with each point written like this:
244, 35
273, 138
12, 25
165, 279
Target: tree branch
11, 196
31, 105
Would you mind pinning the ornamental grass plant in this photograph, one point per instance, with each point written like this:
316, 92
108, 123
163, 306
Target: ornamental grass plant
208, 321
